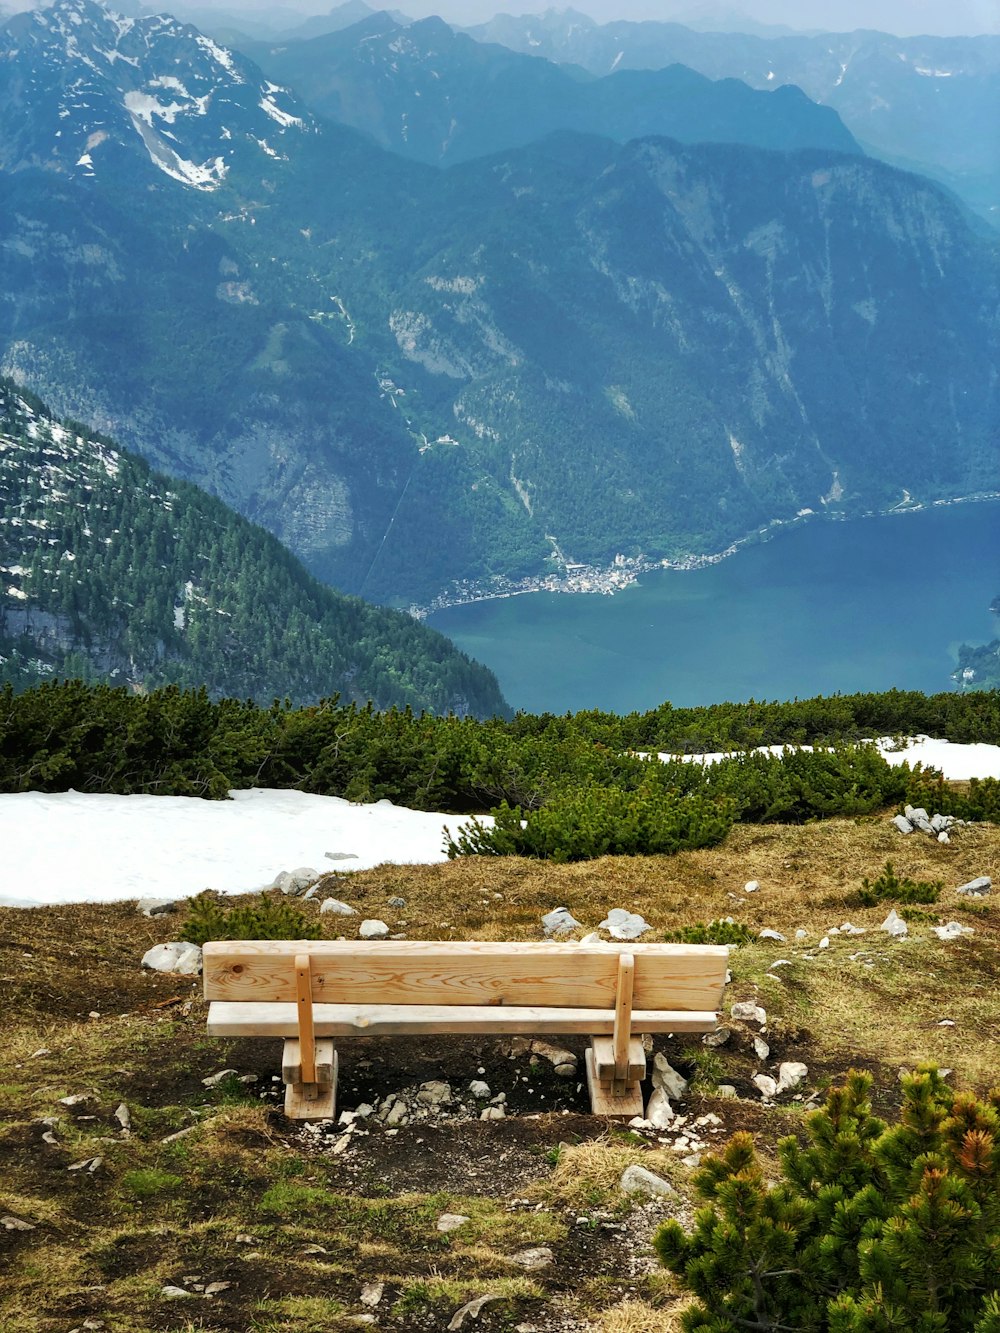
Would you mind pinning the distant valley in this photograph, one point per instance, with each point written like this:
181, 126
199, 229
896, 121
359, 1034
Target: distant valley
559, 353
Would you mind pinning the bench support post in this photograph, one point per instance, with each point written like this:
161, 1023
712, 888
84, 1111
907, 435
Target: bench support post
308, 1066
616, 1065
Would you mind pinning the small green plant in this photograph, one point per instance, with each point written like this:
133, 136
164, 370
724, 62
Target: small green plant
149, 1181
266, 919
871, 1228
723, 931
889, 887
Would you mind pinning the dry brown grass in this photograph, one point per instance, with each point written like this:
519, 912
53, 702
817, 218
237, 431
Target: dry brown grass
637, 1317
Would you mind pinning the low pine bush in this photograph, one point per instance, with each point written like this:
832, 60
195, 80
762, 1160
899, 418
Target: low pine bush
870, 1228
266, 919
889, 888
723, 931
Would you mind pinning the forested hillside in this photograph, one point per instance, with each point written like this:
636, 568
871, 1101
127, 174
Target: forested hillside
109, 570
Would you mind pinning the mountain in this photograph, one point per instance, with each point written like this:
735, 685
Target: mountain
435, 95
562, 353
110, 570
930, 103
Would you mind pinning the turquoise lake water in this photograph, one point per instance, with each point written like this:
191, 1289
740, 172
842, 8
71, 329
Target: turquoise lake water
823, 608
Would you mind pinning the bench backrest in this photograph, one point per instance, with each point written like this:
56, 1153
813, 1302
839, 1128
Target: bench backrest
417, 972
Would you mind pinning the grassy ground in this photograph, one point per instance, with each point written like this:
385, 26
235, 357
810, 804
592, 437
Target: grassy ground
305, 1230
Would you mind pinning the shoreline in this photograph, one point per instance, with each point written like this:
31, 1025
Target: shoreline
625, 571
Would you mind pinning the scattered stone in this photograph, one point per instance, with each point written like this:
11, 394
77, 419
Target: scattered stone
214, 1080
790, 1075
470, 1310
371, 1293
373, 930
848, 929
954, 930
76, 1099
726, 1091
156, 906
123, 1117
946, 1023
335, 907
825, 942
919, 818
769, 934
434, 1093
941, 823
902, 823
170, 1293
397, 902
214, 1288
451, 1221
341, 856
180, 957
89, 1164
976, 888
943, 837
801, 934
780, 962
894, 925
637, 1180
10, 1223
533, 1258
294, 882
667, 1080
751, 886
492, 1113
761, 1048
560, 921
659, 1112
624, 925
719, 1037
42, 1050
748, 1012
767, 1086
480, 1089
562, 1061
593, 938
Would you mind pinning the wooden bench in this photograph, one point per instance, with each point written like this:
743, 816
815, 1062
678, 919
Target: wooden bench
310, 992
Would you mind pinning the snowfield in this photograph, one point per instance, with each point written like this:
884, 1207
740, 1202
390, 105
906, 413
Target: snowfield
71, 847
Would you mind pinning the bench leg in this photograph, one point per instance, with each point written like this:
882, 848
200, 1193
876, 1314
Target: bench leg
310, 1101
620, 1099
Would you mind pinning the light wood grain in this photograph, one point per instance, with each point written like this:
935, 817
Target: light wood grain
623, 1013
310, 1101
616, 1100
467, 973
303, 1000
604, 1060
280, 1019
291, 1062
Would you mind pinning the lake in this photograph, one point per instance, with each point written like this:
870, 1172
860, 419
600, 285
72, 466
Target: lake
822, 608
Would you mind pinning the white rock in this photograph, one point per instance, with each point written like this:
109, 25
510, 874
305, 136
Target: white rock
480, 1089
894, 925
451, 1221
336, 907
780, 962
767, 1086
637, 1180
180, 957
976, 888
801, 934
824, 942
371, 1293
373, 930
533, 1258
719, 1037
10, 1223
943, 837
761, 1048
902, 823
562, 1061
434, 1093
751, 886
492, 1113
954, 930
624, 925
848, 929
790, 1075
659, 1112
156, 906
559, 921
593, 938
295, 881
769, 934
214, 1080
667, 1079
170, 1293
726, 1091
747, 1012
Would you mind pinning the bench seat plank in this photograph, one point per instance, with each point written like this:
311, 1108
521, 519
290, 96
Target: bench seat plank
278, 1019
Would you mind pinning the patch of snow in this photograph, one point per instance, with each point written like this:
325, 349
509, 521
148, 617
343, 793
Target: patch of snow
173, 846
220, 55
283, 118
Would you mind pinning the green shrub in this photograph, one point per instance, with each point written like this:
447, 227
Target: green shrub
869, 1229
889, 888
580, 824
723, 931
266, 919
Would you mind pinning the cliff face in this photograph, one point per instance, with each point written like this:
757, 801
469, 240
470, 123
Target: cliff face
562, 352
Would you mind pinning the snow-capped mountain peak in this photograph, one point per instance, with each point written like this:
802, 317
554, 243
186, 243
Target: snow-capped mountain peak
79, 83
